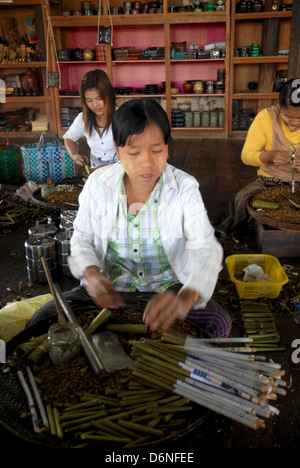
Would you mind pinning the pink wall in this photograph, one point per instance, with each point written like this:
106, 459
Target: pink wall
137, 75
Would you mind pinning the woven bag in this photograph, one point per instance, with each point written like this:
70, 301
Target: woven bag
36, 157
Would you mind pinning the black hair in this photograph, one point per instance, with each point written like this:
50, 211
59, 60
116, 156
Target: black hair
290, 93
135, 115
99, 80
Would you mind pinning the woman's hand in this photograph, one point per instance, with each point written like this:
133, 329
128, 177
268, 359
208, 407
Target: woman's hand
164, 308
80, 160
278, 158
101, 289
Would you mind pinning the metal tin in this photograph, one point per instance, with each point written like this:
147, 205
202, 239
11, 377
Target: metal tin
85, 5
63, 55
40, 230
221, 118
205, 119
76, 55
197, 119
188, 119
198, 87
88, 54
209, 87
63, 249
213, 119
36, 264
68, 215
37, 248
77, 13
39, 276
67, 13
62, 243
67, 226
221, 74
219, 87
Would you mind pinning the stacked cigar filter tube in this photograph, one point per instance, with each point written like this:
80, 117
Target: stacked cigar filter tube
260, 326
229, 381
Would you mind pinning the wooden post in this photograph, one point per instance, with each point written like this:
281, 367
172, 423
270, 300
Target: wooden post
294, 64
270, 42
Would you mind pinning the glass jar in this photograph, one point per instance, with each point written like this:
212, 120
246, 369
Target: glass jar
63, 346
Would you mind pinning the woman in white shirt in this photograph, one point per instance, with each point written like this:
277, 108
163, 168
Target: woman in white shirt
94, 122
142, 226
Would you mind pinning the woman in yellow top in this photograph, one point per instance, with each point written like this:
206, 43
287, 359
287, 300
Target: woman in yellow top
273, 146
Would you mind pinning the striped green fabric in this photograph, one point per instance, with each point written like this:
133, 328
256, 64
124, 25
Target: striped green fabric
135, 258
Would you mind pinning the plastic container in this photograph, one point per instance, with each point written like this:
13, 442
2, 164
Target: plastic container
210, 6
271, 266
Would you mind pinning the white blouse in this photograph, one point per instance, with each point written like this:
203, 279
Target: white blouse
102, 148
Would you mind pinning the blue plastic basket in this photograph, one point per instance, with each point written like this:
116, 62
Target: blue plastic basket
37, 155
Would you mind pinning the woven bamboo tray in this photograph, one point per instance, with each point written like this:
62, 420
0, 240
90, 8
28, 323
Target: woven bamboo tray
13, 402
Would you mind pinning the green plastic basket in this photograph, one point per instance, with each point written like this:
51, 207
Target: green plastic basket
10, 163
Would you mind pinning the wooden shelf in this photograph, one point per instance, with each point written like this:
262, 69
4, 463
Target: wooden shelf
204, 129
21, 99
249, 96
260, 59
262, 15
197, 60
138, 20
248, 28
23, 65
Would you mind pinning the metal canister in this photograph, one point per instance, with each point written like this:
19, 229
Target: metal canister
88, 54
62, 240
209, 87
40, 230
219, 87
221, 118
188, 119
67, 226
213, 119
198, 87
35, 249
205, 119
197, 119
221, 74
68, 215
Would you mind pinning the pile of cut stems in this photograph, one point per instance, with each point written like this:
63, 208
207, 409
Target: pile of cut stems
260, 325
132, 417
234, 384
